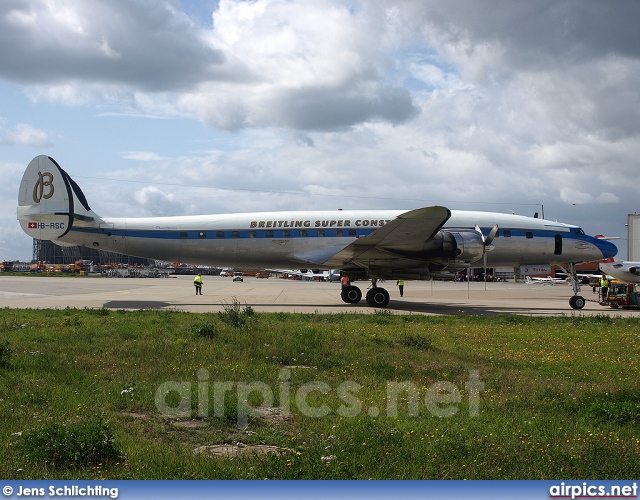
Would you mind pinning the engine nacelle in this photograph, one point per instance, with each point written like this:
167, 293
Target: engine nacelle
469, 246
448, 246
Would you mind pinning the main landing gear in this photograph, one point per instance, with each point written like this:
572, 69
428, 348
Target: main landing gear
376, 296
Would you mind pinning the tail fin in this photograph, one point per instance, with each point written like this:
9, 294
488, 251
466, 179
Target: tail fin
50, 203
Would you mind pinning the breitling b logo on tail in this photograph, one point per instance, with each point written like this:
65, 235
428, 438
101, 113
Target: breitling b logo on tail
44, 187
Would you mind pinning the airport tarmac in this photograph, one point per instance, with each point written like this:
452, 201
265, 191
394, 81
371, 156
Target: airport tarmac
278, 295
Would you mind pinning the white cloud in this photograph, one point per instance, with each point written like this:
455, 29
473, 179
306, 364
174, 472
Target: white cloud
303, 65
605, 197
157, 203
25, 135
577, 197
142, 156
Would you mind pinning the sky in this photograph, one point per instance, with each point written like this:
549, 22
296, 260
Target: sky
176, 107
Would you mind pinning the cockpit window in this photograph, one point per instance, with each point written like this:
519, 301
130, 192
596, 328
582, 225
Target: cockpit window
580, 231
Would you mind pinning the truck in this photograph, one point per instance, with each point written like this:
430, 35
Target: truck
622, 295
82, 266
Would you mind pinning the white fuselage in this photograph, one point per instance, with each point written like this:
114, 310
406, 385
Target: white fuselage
307, 239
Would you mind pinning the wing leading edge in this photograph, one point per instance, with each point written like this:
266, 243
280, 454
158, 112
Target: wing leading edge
407, 234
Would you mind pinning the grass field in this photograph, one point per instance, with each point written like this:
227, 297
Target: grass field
146, 395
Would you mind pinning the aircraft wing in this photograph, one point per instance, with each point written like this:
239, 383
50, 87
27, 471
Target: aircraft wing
406, 234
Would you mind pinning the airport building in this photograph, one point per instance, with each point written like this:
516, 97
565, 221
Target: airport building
633, 237
46, 251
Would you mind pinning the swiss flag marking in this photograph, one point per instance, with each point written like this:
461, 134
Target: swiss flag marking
33, 225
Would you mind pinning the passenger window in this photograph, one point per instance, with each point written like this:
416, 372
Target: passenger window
507, 233
529, 234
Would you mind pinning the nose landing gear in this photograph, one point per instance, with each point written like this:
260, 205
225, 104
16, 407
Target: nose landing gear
577, 301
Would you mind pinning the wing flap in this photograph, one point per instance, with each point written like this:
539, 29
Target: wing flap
407, 233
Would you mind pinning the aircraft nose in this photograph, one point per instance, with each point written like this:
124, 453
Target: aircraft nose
607, 248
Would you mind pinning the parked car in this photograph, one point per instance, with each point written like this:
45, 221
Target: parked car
238, 276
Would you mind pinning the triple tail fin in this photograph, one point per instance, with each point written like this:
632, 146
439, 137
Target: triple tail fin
50, 202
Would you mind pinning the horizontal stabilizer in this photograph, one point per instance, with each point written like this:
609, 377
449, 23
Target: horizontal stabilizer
80, 217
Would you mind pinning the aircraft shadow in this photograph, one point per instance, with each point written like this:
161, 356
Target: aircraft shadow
453, 309
404, 307
136, 304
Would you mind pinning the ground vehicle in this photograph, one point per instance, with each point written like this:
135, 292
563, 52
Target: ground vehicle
238, 276
82, 266
7, 265
622, 295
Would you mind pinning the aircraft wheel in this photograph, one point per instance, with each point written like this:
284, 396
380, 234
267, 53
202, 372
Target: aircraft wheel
351, 294
378, 297
577, 302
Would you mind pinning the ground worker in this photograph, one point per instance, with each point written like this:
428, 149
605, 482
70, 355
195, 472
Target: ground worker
197, 282
604, 288
400, 284
344, 281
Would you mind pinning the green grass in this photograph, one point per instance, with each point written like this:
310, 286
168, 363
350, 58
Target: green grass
560, 396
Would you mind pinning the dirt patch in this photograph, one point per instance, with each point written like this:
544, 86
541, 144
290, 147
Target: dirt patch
190, 424
239, 449
270, 415
134, 415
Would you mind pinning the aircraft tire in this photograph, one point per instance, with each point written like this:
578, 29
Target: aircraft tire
577, 302
351, 294
378, 297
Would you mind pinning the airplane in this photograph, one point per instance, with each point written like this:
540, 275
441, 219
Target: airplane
623, 270
549, 280
374, 245
332, 275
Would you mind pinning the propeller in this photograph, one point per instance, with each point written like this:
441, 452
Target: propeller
486, 242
